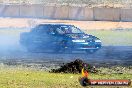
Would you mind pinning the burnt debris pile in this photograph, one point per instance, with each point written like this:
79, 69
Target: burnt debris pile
75, 67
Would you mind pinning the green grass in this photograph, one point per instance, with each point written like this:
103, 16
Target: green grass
31, 78
113, 38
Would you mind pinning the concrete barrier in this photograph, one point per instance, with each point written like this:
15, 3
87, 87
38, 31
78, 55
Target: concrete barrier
65, 12
26, 11
126, 14
31, 11
56, 12
11, 10
2, 8
88, 14
38, 10
61, 12
107, 14
76, 13
49, 12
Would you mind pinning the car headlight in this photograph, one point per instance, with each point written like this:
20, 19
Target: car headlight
97, 40
78, 40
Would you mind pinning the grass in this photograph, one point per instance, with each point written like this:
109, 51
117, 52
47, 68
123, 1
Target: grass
113, 38
15, 77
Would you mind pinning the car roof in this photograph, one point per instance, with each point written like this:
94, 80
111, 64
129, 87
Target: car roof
55, 24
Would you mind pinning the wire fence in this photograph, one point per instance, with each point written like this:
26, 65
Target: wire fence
90, 3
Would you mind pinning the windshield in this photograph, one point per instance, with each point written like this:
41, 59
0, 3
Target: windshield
68, 30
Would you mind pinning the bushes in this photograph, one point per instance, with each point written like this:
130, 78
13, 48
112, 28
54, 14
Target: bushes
74, 67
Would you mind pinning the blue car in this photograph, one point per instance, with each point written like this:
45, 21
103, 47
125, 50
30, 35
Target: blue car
59, 38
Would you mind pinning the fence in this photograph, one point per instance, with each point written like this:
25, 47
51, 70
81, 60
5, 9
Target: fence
65, 12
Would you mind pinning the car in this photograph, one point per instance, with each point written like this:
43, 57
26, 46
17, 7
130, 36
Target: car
59, 38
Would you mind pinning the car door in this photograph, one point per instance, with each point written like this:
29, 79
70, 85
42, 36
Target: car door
40, 36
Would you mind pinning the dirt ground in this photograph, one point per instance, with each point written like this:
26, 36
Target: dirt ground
87, 25
10, 49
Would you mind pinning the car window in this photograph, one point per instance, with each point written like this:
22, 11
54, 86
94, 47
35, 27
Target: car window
40, 29
60, 31
51, 30
75, 30
68, 29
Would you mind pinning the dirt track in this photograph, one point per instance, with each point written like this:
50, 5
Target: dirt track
108, 55
87, 25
